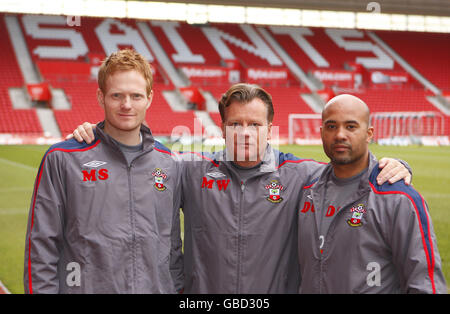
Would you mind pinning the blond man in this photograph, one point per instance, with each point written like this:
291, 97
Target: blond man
104, 217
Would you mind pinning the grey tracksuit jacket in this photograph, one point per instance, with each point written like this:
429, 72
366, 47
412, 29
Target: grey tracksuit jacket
241, 237
98, 225
381, 241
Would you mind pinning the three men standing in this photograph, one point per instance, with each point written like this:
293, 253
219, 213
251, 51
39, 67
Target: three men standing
240, 205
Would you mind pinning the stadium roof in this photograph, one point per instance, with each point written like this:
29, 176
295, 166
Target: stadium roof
399, 15
422, 7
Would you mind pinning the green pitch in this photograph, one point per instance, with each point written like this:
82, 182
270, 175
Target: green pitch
19, 165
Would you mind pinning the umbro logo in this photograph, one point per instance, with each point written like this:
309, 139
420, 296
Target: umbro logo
93, 174
215, 174
94, 164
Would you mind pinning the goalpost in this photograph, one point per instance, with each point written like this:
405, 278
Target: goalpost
403, 128
304, 128
392, 128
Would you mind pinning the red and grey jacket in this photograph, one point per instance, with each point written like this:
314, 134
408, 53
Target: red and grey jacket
381, 241
98, 225
241, 236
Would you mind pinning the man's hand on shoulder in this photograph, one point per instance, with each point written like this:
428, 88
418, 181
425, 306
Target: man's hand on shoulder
84, 132
392, 171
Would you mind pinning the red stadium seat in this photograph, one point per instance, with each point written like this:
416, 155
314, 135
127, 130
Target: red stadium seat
13, 120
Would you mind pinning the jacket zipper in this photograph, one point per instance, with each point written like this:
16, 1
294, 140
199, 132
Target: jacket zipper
133, 232
238, 287
320, 249
239, 239
132, 219
333, 222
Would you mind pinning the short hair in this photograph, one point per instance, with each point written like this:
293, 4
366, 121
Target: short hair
244, 93
125, 60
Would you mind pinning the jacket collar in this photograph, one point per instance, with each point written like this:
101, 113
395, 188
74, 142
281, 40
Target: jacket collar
364, 182
147, 137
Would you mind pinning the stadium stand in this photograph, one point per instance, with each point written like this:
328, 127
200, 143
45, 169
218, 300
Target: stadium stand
287, 100
422, 50
193, 38
12, 120
213, 56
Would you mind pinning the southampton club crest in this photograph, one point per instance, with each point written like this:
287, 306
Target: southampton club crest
358, 212
274, 191
160, 176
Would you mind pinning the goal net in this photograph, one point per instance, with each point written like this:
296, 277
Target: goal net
404, 128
